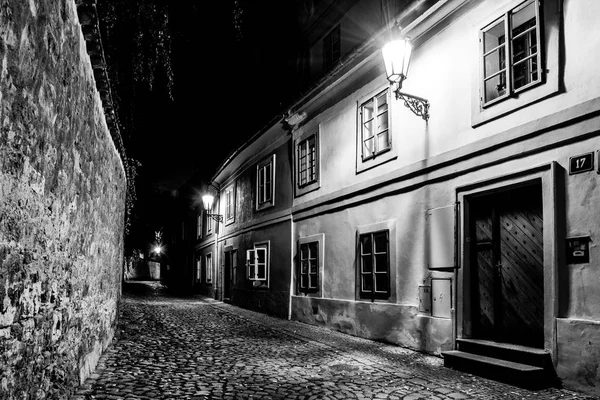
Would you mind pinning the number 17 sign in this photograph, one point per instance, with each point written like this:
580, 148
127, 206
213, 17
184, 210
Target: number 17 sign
581, 163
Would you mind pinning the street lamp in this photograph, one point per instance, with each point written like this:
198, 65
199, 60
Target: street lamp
157, 249
207, 201
396, 57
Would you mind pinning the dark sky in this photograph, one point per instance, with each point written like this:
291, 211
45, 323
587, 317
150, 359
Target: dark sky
229, 80
230, 77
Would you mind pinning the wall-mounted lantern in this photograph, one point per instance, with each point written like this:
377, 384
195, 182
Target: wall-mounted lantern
207, 202
396, 56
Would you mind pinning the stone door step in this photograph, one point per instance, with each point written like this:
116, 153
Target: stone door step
515, 373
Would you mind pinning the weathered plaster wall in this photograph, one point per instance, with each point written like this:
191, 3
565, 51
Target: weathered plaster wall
62, 202
393, 323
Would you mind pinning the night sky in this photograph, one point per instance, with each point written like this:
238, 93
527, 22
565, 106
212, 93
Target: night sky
232, 73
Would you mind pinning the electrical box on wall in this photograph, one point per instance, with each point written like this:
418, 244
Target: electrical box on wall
425, 299
441, 296
578, 250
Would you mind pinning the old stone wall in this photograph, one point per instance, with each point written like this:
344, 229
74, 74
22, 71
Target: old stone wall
62, 204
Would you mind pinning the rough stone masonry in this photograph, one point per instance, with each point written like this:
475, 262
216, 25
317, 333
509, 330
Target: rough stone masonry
62, 205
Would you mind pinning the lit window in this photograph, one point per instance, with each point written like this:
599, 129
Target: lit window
265, 176
513, 65
308, 271
209, 267
198, 270
374, 265
307, 161
257, 264
374, 126
229, 204
331, 48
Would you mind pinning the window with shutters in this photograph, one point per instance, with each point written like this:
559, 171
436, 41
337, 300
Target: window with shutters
230, 204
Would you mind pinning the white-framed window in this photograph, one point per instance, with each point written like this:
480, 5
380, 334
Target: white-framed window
209, 267
376, 142
199, 225
307, 161
265, 183
198, 269
510, 53
229, 204
331, 48
518, 49
374, 126
257, 264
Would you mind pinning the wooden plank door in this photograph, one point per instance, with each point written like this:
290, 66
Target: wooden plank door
508, 270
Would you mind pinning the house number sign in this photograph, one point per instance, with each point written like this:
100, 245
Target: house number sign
581, 163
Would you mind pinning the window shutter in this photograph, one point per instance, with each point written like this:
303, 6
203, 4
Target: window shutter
261, 264
250, 262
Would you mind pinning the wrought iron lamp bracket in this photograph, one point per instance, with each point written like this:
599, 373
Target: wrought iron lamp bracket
418, 105
216, 217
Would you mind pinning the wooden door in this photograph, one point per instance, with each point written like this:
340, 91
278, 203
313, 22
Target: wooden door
507, 272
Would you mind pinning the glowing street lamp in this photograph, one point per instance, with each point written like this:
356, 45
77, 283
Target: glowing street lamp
396, 57
207, 202
157, 249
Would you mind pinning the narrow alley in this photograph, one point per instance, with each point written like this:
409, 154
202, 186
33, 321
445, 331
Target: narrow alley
198, 348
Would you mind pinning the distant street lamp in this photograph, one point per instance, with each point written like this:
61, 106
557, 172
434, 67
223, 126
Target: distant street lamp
396, 57
157, 249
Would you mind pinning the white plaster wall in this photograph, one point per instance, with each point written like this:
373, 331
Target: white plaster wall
441, 71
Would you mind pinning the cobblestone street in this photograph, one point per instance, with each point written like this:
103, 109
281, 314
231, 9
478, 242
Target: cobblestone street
197, 348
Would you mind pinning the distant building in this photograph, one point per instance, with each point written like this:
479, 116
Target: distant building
475, 226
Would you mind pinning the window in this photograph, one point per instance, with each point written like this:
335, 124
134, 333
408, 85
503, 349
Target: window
198, 269
308, 273
374, 265
331, 48
257, 264
375, 135
209, 267
199, 225
307, 161
230, 204
265, 177
511, 65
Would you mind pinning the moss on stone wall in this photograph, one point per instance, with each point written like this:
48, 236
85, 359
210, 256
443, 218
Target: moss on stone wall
62, 202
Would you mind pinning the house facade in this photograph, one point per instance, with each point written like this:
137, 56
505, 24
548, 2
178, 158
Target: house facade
477, 224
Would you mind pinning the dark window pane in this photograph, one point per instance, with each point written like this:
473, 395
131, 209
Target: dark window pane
381, 242
312, 247
365, 242
367, 264
304, 266
381, 283
381, 263
367, 283
493, 36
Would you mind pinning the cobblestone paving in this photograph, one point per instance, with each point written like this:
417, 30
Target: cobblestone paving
195, 348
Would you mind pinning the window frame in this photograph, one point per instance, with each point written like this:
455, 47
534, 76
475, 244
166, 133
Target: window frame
198, 268
549, 34
319, 240
372, 255
390, 152
390, 295
208, 268
508, 47
301, 136
209, 220
251, 267
260, 167
230, 205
